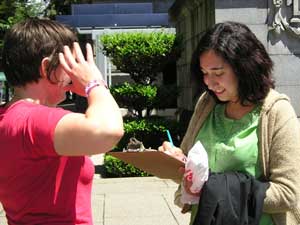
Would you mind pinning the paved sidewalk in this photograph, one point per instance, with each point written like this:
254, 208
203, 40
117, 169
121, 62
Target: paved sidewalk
133, 201
136, 201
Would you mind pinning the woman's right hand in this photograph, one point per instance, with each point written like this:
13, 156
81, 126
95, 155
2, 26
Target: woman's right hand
169, 149
187, 174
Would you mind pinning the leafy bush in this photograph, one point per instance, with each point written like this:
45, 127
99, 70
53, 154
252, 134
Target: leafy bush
151, 131
134, 96
137, 97
142, 55
117, 168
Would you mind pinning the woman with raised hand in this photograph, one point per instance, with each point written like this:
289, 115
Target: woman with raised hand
46, 173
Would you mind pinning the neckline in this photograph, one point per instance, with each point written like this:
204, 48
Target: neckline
245, 119
7, 106
227, 127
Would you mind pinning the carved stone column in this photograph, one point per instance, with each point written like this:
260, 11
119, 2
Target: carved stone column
286, 16
192, 18
296, 12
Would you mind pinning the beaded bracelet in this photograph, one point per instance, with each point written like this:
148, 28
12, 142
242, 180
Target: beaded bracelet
92, 84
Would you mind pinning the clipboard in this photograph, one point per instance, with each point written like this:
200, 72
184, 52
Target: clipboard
154, 162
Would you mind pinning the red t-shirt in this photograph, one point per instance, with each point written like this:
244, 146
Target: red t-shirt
37, 186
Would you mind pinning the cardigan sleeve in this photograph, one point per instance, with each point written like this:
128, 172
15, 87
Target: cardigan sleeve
283, 172
202, 109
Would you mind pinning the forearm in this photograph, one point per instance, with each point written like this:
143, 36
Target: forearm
96, 131
101, 127
283, 193
103, 111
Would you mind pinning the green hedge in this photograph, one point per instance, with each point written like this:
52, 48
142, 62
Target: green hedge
117, 168
143, 56
145, 97
134, 96
152, 132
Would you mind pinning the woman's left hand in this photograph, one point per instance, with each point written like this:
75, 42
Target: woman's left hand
188, 181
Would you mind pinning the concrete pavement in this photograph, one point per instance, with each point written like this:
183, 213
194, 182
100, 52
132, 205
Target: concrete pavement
136, 201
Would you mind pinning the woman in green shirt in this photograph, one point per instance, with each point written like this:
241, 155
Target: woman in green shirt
244, 124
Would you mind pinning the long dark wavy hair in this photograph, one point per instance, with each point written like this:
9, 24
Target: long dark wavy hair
239, 47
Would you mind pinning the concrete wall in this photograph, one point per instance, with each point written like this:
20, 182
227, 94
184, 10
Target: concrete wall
158, 5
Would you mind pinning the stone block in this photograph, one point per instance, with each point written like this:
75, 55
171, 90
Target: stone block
293, 93
144, 220
183, 219
283, 43
287, 70
245, 11
243, 15
137, 205
224, 4
261, 32
123, 186
97, 209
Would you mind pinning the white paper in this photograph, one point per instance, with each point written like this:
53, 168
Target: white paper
197, 163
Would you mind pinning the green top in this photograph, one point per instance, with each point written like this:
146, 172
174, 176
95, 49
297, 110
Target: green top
232, 145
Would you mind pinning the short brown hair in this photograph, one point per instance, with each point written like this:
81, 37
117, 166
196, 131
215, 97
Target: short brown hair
27, 43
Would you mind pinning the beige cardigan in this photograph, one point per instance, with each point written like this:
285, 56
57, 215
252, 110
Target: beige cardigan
279, 146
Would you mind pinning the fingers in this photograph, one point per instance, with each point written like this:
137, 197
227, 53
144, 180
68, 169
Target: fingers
188, 175
187, 185
167, 145
169, 149
188, 182
175, 151
63, 62
78, 53
89, 53
80, 70
161, 148
181, 170
69, 57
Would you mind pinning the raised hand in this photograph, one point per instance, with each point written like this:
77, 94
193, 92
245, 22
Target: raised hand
81, 71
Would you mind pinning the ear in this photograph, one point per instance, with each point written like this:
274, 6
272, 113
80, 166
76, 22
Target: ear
43, 67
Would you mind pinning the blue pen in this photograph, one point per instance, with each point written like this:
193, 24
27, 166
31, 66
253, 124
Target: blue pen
170, 138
